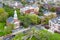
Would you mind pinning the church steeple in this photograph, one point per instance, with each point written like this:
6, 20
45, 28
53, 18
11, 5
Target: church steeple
15, 15
16, 21
15, 12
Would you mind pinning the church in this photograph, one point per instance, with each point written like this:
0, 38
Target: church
14, 20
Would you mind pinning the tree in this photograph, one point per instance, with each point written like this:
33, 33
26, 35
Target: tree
23, 2
46, 20
34, 18
11, 26
3, 15
29, 19
53, 9
24, 19
9, 10
2, 26
4, 30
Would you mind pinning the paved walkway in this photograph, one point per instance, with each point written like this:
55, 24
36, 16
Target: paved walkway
22, 30
14, 33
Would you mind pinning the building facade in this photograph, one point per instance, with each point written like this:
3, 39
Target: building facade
54, 24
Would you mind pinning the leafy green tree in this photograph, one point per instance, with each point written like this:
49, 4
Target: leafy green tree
10, 26
2, 26
41, 10
7, 30
34, 18
28, 19
46, 21
53, 9
40, 14
23, 2
3, 15
24, 19
4, 30
9, 10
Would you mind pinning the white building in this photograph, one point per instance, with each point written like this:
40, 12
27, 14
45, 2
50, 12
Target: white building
54, 24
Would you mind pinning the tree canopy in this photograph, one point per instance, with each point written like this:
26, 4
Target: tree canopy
3, 15
28, 19
4, 30
9, 10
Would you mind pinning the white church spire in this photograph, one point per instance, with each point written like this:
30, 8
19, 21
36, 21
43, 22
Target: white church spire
16, 21
15, 14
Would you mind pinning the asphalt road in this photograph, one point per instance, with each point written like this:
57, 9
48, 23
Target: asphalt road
9, 37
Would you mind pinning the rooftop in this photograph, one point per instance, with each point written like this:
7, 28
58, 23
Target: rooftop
10, 19
29, 7
56, 20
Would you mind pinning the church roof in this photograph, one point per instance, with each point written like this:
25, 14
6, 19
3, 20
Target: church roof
10, 19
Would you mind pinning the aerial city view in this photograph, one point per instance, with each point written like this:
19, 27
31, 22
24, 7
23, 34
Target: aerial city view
29, 19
